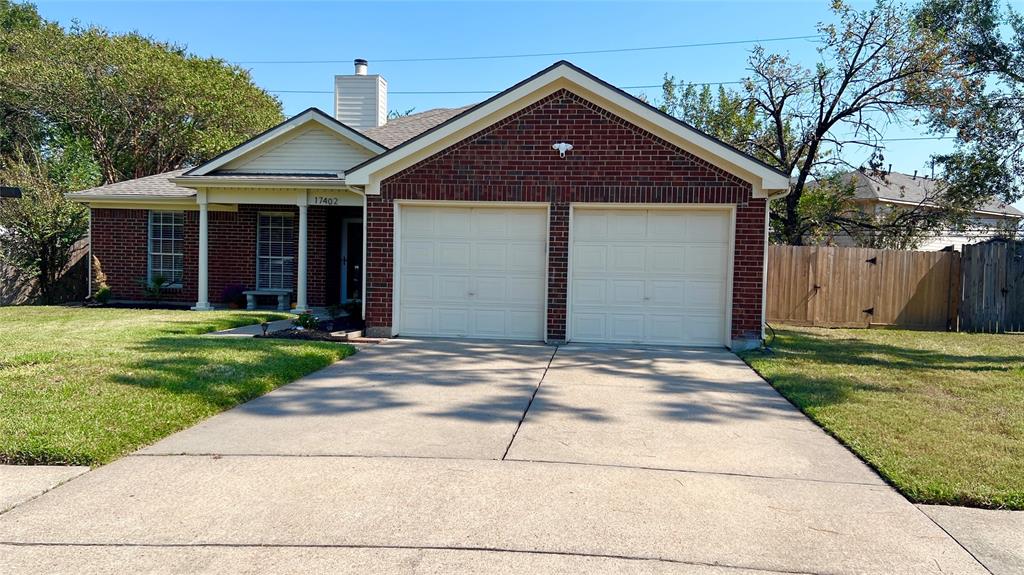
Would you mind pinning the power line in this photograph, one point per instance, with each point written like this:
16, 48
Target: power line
423, 92
543, 54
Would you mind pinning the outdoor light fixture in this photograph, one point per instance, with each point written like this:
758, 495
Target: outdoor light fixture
562, 148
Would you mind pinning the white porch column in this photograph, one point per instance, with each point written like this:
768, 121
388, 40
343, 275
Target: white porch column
203, 299
300, 297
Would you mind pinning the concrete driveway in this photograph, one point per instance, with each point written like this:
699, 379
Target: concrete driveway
434, 457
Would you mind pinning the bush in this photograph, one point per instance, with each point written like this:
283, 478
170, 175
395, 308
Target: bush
154, 288
102, 295
234, 295
307, 320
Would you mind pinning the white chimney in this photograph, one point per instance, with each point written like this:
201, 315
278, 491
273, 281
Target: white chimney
361, 100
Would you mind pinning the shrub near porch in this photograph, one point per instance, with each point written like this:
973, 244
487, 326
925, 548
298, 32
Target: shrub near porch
85, 386
940, 415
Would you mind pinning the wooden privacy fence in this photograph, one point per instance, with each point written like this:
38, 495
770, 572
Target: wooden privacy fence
862, 287
993, 287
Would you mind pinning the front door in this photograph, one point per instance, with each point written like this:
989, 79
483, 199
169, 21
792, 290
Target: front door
351, 260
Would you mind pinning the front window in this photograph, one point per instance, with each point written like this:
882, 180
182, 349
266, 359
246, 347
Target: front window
275, 251
166, 253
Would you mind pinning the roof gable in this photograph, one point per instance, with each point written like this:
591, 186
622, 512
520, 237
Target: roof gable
563, 75
291, 131
309, 149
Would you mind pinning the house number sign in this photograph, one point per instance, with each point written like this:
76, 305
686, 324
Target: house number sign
325, 201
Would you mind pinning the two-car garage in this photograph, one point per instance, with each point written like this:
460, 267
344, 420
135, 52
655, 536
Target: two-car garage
635, 274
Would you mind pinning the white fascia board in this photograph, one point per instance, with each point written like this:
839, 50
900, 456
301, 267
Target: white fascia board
129, 198
769, 180
261, 182
286, 127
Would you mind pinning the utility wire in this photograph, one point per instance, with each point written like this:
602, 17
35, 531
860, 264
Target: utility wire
543, 54
422, 92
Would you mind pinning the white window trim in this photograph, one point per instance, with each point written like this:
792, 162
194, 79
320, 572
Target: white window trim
149, 247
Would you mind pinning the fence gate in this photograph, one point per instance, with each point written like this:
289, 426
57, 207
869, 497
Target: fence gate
862, 287
993, 287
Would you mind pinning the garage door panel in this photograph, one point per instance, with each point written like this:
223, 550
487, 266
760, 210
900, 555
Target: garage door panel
667, 226
452, 288
417, 287
525, 225
590, 226
627, 226
589, 326
705, 259
589, 292
488, 322
705, 295
490, 256
704, 330
418, 319
626, 327
419, 224
462, 275
450, 223
453, 255
524, 290
451, 321
418, 255
523, 324
627, 292
667, 293
525, 256
659, 276
706, 227
665, 260
490, 224
590, 259
627, 259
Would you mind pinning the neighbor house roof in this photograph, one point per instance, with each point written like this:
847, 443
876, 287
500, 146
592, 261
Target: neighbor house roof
894, 187
397, 130
155, 186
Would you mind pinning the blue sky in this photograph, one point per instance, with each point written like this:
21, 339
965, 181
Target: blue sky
255, 31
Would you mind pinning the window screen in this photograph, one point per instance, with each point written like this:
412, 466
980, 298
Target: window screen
166, 239
275, 251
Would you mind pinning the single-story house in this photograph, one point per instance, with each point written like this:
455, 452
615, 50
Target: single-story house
560, 209
878, 191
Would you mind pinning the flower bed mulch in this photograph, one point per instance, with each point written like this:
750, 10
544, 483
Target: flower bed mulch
304, 334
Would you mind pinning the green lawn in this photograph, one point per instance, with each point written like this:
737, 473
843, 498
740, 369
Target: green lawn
941, 415
85, 386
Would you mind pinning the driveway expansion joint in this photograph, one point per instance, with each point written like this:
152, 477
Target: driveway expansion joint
530, 403
471, 549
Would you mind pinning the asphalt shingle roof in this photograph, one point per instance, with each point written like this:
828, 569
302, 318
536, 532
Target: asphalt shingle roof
899, 187
158, 185
398, 130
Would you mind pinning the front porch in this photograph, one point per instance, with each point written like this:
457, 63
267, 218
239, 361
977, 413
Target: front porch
298, 246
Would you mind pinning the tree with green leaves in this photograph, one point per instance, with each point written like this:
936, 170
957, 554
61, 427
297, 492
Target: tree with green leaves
985, 107
801, 119
145, 106
39, 229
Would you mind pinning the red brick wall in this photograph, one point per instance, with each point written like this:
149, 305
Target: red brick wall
612, 161
120, 240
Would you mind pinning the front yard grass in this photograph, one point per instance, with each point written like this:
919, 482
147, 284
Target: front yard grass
941, 415
85, 385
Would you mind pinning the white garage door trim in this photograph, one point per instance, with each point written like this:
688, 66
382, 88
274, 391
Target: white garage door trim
729, 209
397, 249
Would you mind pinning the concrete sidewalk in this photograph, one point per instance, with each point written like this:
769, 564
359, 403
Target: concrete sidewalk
436, 456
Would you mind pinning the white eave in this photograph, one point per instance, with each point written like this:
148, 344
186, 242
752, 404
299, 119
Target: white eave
267, 181
766, 181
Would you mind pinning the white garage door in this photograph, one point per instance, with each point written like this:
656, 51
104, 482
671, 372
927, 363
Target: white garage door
649, 276
472, 272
